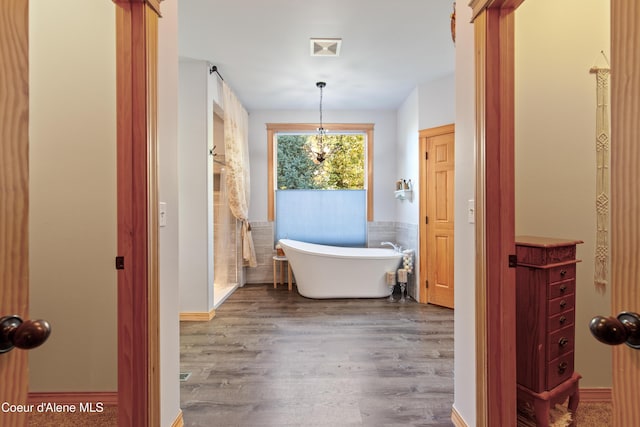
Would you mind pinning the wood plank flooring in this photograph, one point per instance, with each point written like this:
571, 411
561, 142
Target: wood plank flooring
273, 358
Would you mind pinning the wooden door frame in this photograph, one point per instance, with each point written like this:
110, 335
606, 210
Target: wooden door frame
138, 305
14, 206
495, 212
625, 191
137, 148
494, 40
424, 134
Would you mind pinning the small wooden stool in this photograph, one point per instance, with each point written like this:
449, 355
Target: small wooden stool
543, 401
280, 261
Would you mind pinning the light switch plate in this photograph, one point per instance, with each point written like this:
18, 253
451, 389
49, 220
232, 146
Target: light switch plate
471, 211
163, 214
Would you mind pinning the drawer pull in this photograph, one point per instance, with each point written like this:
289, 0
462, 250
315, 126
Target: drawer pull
563, 304
562, 319
563, 272
563, 289
562, 367
562, 342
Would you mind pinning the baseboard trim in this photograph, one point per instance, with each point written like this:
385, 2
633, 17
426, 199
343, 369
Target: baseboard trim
179, 421
197, 316
596, 394
457, 419
107, 398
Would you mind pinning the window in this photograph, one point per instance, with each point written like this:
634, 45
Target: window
342, 167
325, 202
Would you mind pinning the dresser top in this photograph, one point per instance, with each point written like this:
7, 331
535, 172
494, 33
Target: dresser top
545, 242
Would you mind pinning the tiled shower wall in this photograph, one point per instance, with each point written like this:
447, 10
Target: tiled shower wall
403, 234
235, 271
262, 233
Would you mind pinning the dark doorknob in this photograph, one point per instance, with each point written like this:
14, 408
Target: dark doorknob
625, 328
26, 334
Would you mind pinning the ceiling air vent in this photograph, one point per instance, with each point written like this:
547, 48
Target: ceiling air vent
325, 47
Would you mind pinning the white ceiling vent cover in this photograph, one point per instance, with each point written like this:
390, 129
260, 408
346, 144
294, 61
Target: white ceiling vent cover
325, 47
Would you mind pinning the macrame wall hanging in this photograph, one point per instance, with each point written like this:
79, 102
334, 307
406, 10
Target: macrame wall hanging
601, 271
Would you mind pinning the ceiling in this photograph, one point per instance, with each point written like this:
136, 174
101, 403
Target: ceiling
262, 49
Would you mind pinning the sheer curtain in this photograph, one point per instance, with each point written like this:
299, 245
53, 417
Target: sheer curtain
236, 147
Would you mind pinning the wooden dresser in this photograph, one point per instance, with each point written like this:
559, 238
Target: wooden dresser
545, 327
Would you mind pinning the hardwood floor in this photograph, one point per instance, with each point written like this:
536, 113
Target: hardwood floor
273, 358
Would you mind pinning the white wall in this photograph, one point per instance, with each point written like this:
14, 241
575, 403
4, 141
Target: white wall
168, 193
195, 177
429, 105
437, 102
464, 270
72, 218
408, 162
384, 147
555, 147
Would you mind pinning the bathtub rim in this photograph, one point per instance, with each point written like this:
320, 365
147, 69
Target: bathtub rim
322, 250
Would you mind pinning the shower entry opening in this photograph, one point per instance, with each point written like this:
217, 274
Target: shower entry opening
227, 258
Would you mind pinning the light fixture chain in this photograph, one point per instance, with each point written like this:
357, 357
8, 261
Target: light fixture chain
321, 128
322, 150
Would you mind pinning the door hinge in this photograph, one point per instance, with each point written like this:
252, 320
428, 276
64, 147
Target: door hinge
426, 284
119, 263
513, 261
426, 220
426, 155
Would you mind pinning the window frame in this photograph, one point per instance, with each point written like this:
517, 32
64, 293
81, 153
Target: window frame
274, 128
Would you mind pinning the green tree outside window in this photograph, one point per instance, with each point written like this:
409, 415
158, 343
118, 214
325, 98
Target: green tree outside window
343, 168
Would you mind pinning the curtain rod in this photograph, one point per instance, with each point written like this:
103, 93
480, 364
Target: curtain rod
214, 69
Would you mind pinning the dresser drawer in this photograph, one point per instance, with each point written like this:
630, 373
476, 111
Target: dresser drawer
562, 272
560, 304
559, 289
559, 370
561, 320
560, 342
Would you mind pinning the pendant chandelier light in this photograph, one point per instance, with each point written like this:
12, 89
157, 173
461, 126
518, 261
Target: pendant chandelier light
321, 151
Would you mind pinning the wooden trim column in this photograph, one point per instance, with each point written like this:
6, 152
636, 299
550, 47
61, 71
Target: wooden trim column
369, 166
14, 194
138, 304
625, 199
271, 171
495, 210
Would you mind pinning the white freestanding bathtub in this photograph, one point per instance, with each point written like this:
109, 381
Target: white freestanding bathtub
335, 272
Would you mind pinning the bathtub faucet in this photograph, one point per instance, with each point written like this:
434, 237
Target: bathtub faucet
395, 247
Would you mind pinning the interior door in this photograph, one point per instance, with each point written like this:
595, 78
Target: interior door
625, 190
437, 195
137, 285
14, 195
496, 400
